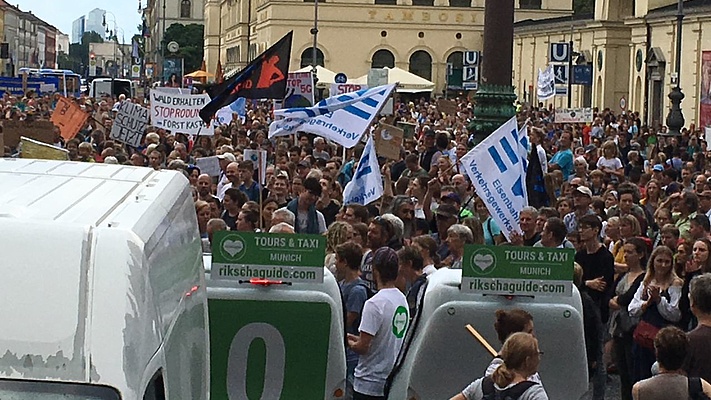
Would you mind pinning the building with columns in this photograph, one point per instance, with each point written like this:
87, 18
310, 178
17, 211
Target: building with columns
631, 47
161, 14
421, 36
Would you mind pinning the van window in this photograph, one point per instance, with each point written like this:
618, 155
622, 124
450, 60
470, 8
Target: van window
43, 390
155, 389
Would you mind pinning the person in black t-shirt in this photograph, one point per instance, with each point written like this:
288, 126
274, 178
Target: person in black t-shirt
597, 262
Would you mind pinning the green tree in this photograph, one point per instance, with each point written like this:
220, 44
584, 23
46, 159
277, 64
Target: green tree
79, 52
582, 7
190, 38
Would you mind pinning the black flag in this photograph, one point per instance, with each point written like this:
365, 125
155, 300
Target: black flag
264, 78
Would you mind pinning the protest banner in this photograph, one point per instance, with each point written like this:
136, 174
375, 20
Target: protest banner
343, 88
408, 128
299, 90
388, 140
41, 151
69, 117
130, 123
573, 115
42, 131
448, 107
517, 271
179, 112
259, 159
209, 165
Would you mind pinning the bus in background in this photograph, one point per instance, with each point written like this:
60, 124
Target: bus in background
69, 81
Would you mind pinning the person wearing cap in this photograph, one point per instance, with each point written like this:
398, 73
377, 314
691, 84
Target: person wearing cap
384, 322
582, 197
657, 170
450, 196
445, 216
308, 218
303, 168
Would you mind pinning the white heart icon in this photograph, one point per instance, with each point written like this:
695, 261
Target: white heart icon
232, 247
483, 261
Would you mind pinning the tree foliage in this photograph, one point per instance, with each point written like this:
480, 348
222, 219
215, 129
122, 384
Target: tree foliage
191, 42
78, 58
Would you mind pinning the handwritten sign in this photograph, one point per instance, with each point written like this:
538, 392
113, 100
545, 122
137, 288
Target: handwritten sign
343, 88
388, 140
69, 117
179, 112
130, 123
209, 165
448, 107
299, 90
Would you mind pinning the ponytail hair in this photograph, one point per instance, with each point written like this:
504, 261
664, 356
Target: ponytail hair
515, 353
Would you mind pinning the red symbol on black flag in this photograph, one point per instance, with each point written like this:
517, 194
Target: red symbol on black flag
263, 78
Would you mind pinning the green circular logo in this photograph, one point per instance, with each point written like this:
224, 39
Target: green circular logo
483, 261
232, 247
400, 321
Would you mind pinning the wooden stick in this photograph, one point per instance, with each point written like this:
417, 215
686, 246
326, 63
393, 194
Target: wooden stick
481, 340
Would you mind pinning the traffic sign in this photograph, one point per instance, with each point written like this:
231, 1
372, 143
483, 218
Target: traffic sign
582, 75
470, 85
560, 72
470, 73
472, 57
340, 78
559, 53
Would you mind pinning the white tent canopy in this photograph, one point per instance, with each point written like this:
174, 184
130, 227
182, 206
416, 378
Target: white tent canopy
325, 77
407, 81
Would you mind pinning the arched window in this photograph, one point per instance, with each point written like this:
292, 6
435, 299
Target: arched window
185, 9
383, 58
421, 64
455, 66
307, 57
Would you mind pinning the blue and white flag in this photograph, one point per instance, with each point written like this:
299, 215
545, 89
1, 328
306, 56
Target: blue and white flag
342, 119
224, 114
496, 169
546, 83
367, 183
523, 146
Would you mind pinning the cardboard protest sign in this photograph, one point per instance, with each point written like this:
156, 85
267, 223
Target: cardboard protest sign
448, 107
209, 165
69, 117
388, 140
573, 115
299, 90
42, 131
179, 112
42, 151
130, 123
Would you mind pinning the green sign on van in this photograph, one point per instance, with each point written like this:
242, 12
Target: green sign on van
283, 257
524, 271
268, 349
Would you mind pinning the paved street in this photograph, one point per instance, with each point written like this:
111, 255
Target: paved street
611, 393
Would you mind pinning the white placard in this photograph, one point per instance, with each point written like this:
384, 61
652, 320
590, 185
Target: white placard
179, 112
343, 88
130, 123
573, 115
209, 165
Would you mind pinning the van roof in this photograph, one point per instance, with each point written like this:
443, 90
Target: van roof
57, 219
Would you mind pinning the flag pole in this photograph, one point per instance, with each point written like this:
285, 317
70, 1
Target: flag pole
261, 189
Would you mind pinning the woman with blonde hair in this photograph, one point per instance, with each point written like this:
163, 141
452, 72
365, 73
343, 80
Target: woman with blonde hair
204, 213
338, 233
521, 358
656, 303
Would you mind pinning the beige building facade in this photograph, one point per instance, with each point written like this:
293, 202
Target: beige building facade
421, 36
631, 47
161, 14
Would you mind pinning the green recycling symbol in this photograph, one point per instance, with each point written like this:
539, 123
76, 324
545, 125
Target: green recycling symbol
400, 320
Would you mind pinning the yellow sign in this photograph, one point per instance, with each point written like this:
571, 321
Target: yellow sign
41, 151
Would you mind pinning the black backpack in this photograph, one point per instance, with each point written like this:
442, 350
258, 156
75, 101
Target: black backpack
491, 393
696, 391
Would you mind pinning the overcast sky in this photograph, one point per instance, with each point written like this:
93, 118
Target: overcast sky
61, 13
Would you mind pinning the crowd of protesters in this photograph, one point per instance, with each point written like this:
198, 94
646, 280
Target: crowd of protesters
633, 202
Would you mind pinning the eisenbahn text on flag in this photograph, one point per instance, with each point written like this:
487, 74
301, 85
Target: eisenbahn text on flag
367, 184
496, 169
342, 119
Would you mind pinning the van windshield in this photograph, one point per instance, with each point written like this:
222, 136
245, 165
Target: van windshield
43, 390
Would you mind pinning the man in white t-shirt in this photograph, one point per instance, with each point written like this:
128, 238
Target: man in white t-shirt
384, 322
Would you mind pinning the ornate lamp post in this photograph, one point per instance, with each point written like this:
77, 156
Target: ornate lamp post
675, 118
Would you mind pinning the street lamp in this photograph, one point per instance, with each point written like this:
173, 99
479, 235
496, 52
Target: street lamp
675, 118
112, 35
314, 50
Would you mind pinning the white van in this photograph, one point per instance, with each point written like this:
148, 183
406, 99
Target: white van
102, 284
112, 87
